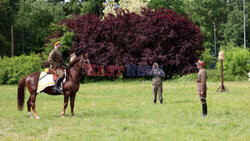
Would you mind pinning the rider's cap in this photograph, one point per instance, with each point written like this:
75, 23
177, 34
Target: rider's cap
56, 43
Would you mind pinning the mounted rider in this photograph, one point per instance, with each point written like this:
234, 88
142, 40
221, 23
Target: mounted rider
56, 64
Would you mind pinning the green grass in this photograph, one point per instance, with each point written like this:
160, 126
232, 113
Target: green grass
125, 111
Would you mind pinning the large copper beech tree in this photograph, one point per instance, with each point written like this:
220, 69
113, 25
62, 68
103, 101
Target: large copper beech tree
154, 36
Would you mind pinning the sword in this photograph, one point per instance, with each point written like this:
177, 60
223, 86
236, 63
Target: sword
46, 74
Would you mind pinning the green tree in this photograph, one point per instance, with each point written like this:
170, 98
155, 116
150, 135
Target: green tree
227, 16
88, 7
84, 7
73, 7
56, 1
176, 5
4, 43
8, 9
208, 58
35, 17
233, 30
206, 12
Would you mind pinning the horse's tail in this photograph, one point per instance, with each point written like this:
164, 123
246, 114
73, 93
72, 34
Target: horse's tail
21, 94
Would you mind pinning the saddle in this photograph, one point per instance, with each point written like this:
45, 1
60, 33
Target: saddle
55, 76
47, 80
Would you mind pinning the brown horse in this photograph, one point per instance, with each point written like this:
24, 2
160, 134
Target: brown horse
70, 87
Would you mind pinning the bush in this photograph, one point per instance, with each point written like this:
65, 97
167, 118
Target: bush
14, 68
154, 36
212, 75
208, 58
236, 62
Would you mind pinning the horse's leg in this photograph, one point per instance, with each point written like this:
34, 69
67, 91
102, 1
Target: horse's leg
66, 99
32, 103
72, 102
29, 108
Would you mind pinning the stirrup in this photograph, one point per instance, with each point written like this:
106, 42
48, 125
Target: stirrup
56, 89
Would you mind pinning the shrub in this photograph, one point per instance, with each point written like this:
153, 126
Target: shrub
14, 68
154, 36
212, 75
236, 62
208, 58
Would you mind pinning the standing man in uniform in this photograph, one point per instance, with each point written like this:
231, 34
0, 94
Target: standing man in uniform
202, 86
157, 74
56, 62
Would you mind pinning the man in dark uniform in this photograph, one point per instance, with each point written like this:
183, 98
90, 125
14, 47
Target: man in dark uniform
56, 62
157, 74
202, 86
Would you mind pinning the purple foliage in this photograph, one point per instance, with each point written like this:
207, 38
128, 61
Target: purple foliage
155, 36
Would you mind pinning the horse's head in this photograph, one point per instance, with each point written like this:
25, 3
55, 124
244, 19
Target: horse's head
81, 62
84, 59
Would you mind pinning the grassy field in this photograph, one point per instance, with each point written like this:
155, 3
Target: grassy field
125, 111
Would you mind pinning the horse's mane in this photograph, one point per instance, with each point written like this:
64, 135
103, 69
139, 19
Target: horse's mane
72, 63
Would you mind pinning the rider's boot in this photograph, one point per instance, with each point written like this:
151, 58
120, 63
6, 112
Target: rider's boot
56, 86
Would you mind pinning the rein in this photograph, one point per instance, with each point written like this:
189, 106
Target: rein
78, 51
83, 62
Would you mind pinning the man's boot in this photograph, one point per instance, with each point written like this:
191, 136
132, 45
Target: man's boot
56, 86
204, 109
154, 101
161, 101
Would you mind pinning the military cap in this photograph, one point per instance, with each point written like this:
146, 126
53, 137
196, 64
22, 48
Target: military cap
200, 63
56, 42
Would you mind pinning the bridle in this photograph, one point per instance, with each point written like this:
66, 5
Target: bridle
83, 61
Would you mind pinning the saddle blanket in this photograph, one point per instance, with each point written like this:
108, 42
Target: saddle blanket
46, 80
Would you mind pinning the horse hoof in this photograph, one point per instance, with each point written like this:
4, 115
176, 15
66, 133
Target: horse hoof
63, 116
37, 117
29, 114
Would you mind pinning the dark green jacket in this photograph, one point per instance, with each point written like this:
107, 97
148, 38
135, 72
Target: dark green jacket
157, 74
55, 59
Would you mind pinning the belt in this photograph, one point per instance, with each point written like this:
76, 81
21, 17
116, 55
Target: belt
198, 81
